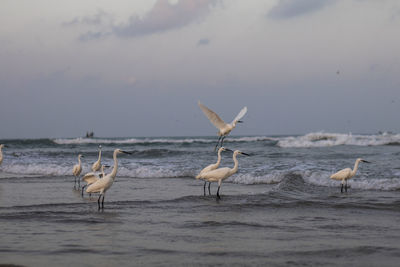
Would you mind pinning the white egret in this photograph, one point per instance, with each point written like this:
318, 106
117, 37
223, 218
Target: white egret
218, 175
103, 184
1, 153
212, 167
345, 174
76, 171
96, 166
223, 128
92, 177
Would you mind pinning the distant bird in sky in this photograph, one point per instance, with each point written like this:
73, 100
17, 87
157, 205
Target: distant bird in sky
223, 128
96, 166
76, 171
218, 175
345, 174
1, 154
102, 185
212, 167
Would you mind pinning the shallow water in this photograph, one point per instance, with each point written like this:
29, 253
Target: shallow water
281, 208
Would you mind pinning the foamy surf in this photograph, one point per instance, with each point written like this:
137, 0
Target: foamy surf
321, 139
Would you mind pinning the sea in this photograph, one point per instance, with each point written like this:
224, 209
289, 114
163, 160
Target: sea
280, 208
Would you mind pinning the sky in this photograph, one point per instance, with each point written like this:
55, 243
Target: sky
138, 68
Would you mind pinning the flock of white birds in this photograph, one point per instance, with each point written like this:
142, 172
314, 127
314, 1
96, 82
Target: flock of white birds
97, 182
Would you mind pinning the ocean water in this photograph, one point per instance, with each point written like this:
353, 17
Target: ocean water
280, 209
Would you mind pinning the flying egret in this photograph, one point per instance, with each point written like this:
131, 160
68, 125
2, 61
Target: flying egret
223, 127
92, 177
212, 167
96, 166
345, 174
1, 153
103, 184
222, 173
76, 171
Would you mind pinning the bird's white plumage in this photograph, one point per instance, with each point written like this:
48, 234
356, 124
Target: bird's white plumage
78, 167
212, 116
1, 154
96, 166
212, 166
103, 184
240, 115
218, 175
223, 127
92, 177
345, 174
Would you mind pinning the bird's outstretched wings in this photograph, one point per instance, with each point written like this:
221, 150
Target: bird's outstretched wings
240, 115
90, 178
212, 116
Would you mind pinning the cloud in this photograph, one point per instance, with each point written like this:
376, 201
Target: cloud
204, 41
100, 18
286, 9
164, 16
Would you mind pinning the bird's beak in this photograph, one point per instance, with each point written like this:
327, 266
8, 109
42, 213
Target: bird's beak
82, 156
227, 149
244, 154
126, 152
106, 166
239, 121
365, 161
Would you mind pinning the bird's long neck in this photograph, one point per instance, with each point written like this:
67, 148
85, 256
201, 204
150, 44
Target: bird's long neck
79, 161
219, 158
236, 166
99, 155
353, 172
115, 169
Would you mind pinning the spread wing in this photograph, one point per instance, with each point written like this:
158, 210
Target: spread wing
240, 115
90, 178
212, 116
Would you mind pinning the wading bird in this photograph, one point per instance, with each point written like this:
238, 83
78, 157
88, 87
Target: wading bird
345, 174
76, 171
212, 167
223, 128
218, 175
102, 185
1, 153
92, 177
96, 166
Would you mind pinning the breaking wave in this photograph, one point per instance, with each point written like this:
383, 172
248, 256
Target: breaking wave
321, 139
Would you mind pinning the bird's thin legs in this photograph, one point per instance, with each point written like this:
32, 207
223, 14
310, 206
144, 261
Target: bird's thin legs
75, 183
341, 189
345, 186
209, 184
215, 149
83, 189
205, 187
222, 141
218, 197
98, 201
102, 203
79, 183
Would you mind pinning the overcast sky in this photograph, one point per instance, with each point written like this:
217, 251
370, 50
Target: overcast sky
137, 68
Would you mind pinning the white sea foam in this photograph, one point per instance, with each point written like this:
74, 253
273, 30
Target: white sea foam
321, 139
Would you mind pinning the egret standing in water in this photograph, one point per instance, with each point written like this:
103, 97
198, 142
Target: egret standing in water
345, 174
96, 166
92, 177
102, 185
212, 167
1, 153
223, 128
76, 171
218, 175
